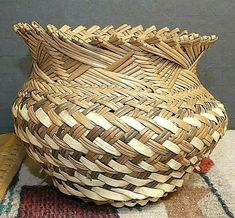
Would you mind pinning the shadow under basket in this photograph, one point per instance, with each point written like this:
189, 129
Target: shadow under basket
116, 115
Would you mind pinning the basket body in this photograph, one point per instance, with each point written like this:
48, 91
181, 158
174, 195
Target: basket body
119, 115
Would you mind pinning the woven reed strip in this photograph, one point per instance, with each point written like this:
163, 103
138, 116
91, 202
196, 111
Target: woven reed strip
11, 157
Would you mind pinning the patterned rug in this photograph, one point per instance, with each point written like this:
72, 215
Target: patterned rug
208, 193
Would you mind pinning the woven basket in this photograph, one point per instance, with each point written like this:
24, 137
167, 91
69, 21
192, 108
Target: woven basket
119, 115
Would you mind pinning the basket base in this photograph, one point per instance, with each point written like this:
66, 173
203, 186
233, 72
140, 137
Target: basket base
134, 203
118, 204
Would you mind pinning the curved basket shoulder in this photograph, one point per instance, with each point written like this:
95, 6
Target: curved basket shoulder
116, 115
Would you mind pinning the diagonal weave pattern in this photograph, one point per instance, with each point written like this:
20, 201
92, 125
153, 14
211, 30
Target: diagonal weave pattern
119, 115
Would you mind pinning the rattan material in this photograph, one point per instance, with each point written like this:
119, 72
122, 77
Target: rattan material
11, 157
119, 115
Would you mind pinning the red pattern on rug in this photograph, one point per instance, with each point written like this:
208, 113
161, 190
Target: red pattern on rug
205, 165
47, 202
